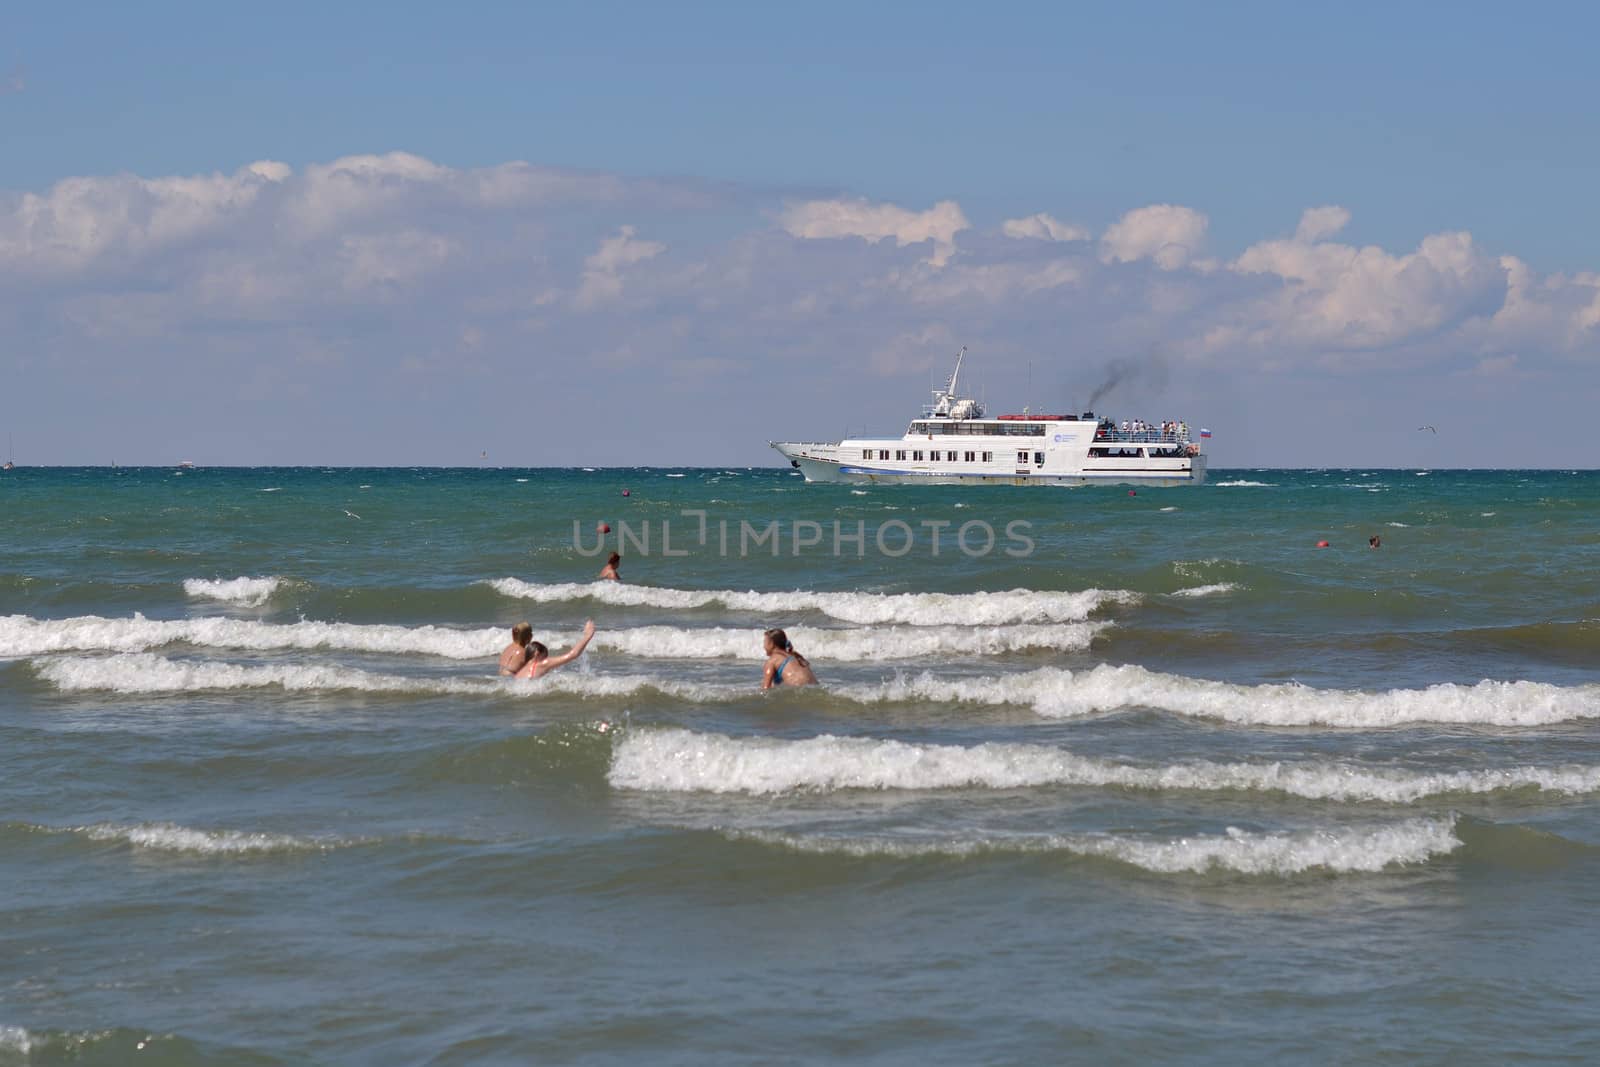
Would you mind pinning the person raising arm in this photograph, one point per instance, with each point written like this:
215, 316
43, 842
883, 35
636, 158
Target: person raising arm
541, 662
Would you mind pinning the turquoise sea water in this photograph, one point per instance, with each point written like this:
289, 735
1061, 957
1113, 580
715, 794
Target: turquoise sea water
1173, 784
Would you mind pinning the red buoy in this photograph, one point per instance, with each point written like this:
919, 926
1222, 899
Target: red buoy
1322, 544
625, 492
604, 527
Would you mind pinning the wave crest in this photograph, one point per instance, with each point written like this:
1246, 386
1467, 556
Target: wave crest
246, 592
1340, 850
870, 609
676, 760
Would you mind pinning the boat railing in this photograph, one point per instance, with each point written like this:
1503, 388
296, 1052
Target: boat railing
1169, 437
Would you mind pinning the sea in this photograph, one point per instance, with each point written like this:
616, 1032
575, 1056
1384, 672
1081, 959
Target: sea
1091, 775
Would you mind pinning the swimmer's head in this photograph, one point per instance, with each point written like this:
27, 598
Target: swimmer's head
537, 651
776, 640
522, 633
614, 559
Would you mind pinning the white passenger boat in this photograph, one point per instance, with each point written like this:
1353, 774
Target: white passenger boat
954, 443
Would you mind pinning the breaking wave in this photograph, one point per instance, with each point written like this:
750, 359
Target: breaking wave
24, 636
1341, 850
21, 635
170, 837
1214, 589
139, 672
915, 609
247, 592
1049, 691
1059, 693
678, 760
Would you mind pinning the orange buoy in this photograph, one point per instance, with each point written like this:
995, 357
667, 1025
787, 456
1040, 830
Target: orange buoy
1322, 544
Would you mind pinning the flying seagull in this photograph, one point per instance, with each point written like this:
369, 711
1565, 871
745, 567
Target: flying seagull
1427, 428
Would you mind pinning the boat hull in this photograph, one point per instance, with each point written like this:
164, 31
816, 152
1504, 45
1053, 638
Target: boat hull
823, 463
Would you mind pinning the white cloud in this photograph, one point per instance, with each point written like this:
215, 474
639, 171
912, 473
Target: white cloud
83, 220
1319, 222
822, 219
1168, 234
1044, 228
602, 271
1342, 297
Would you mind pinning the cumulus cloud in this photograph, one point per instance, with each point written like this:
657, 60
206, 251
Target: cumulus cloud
1342, 297
1044, 227
1317, 223
602, 271
83, 221
1168, 234
277, 278
823, 219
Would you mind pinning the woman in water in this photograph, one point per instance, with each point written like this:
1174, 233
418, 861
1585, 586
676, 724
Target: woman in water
784, 666
609, 571
541, 662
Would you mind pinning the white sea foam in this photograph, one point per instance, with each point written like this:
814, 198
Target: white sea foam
24, 636
1169, 508
21, 635
15, 1039
1048, 691
144, 673
250, 592
1058, 693
916, 609
1401, 525
1242, 482
852, 645
678, 760
169, 837
1364, 849
1214, 589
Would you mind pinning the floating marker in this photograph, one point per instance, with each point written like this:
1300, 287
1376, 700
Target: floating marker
1322, 544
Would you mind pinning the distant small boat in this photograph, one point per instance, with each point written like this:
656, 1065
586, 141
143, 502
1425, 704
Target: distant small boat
186, 465
10, 456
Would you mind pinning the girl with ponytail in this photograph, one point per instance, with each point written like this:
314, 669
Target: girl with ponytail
785, 665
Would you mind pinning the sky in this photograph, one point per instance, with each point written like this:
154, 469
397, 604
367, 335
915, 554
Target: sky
618, 234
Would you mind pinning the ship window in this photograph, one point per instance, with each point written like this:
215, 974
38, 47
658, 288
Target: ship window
1022, 457
916, 455
900, 453
883, 453
971, 456
866, 453
988, 456
951, 456
1038, 457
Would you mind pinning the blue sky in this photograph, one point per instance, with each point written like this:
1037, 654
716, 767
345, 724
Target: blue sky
737, 208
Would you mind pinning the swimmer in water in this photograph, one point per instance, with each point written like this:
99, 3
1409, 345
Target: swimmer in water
784, 665
541, 662
514, 655
609, 571
1374, 542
